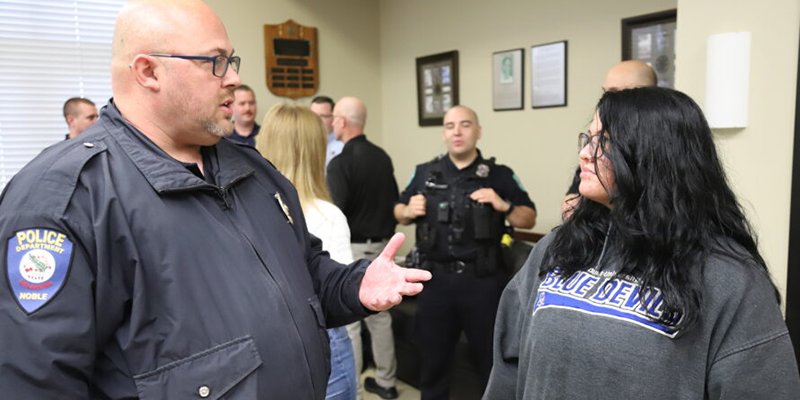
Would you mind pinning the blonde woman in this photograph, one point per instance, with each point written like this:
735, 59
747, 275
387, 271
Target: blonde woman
294, 139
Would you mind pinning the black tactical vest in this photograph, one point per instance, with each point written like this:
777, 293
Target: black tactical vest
456, 228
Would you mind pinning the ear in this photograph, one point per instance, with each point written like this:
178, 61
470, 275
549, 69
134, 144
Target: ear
70, 120
480, 133
146, 71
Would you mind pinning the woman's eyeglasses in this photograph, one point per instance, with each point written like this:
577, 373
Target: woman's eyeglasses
584, 139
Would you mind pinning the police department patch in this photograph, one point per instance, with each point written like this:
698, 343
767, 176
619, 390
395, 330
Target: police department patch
37, 262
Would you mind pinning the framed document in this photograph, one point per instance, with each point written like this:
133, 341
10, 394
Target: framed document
508, 80
437, 87
651, 39
549, 75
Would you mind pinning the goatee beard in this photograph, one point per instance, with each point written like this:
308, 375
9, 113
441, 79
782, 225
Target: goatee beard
219, 129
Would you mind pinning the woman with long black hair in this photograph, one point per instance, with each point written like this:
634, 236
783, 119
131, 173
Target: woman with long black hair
654, 288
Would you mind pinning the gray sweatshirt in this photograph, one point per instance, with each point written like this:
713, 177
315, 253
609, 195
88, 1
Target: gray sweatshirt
590, 338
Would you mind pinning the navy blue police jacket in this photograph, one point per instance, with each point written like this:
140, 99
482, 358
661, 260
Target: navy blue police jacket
128, 276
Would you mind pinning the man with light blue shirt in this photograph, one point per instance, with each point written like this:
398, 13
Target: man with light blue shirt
323, 106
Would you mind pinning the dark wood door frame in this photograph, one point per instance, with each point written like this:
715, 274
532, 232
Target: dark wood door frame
793, 272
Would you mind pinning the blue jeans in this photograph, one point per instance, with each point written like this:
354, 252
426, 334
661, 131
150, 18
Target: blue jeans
342, 382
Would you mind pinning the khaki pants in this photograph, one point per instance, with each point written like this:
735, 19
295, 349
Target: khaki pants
380, 330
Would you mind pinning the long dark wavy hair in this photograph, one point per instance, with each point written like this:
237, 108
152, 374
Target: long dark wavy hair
671, 205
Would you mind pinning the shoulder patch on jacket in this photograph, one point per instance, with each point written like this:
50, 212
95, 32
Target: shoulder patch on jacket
37, 264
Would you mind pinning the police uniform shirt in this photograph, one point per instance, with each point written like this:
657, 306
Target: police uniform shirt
480, 173
128, 276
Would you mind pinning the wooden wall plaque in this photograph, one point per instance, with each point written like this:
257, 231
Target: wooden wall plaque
291, 59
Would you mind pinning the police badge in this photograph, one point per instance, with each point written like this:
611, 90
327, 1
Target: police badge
482, 171
284, 208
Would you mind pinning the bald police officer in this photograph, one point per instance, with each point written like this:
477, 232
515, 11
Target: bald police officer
140, 260
459, 203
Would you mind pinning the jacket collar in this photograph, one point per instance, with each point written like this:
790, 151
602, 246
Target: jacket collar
164, 173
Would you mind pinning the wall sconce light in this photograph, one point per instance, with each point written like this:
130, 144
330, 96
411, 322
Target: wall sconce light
727, 79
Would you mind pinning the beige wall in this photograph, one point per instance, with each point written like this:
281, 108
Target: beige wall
758, 159
540, 145
368, 49
349, 50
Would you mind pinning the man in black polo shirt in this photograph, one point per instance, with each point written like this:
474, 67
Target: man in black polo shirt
362, 185
460, 202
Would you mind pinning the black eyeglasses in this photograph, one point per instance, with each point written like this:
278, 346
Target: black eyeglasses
584, 139
220, 62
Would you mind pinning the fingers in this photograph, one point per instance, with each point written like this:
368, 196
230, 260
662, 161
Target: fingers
411, 289
386, 303
375, 305
417, 205
394, 244
416, 275
482, 195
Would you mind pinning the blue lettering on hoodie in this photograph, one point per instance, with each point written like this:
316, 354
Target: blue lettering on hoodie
605, 296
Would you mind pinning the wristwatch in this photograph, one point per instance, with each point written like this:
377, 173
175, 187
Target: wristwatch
510, 208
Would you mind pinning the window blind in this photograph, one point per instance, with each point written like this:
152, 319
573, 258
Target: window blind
51, 50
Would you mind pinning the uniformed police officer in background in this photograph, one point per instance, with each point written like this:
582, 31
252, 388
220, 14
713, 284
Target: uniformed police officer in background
150, 259
460, 203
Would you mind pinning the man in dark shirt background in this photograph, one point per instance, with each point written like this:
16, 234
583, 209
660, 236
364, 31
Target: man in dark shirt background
362, 185
244, 110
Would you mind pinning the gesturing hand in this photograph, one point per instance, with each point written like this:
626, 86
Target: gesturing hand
385, 283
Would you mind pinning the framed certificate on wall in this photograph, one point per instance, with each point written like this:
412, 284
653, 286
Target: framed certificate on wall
549, 75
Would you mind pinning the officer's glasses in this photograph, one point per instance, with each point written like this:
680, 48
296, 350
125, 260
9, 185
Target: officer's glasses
584, 139
220, 62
